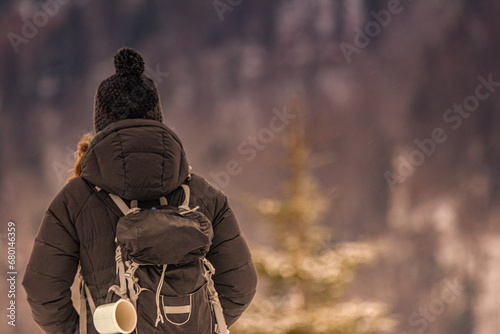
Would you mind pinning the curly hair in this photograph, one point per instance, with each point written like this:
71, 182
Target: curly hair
83, 144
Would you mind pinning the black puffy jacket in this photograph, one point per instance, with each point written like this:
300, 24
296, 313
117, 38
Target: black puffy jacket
135, 159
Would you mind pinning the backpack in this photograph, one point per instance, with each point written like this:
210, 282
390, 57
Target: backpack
162, 269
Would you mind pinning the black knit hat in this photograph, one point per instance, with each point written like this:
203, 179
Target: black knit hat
126, 94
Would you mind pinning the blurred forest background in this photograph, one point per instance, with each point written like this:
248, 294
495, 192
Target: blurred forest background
397, 99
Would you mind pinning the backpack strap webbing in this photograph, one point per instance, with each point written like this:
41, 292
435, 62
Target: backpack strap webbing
84, 296
120, 204
214, 298
125, 209
128, 283
187, 194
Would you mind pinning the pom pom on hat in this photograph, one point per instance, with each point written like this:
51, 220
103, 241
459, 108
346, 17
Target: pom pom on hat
129, 62
126, 94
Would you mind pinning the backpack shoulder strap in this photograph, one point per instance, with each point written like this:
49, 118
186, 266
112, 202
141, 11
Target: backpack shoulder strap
84, 297
187, 194
121, 204
125, 209
118, 201
213, 296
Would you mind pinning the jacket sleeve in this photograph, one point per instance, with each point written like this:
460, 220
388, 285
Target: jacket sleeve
235, 276
51, 270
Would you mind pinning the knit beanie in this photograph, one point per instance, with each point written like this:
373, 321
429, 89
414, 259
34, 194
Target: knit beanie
126, 94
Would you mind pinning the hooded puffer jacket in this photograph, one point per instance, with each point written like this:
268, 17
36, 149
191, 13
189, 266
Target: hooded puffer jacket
135, 159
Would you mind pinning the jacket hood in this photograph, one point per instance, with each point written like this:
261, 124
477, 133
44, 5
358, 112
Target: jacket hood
136, 159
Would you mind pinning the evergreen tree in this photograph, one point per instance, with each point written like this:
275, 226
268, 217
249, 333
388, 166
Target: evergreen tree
303, 276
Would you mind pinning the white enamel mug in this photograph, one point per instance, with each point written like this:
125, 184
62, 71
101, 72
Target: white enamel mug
119, 317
